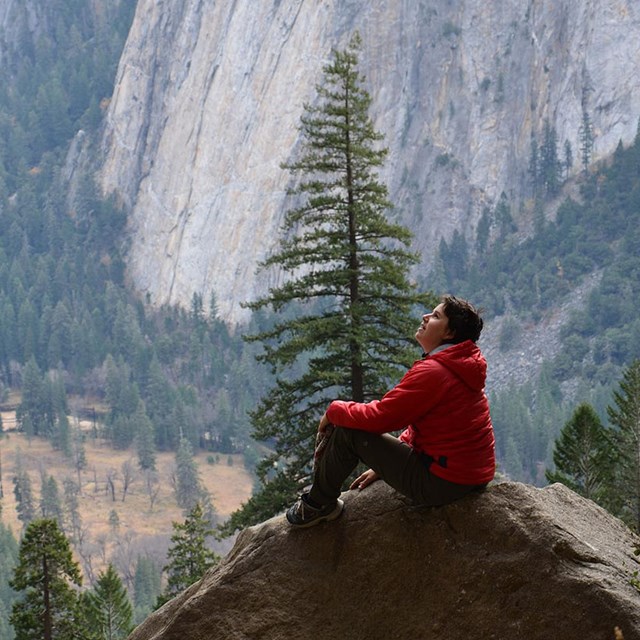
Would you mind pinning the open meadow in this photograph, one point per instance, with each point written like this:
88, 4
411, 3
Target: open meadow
144, 514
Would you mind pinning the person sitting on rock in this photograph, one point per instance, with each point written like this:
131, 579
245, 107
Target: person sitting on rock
447, 449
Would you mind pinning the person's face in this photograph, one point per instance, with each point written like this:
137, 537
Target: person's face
434, 329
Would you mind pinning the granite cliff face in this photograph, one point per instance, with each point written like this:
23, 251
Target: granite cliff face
514, 562
209, 95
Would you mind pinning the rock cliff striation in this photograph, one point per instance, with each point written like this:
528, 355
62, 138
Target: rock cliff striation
514, 562
209, 95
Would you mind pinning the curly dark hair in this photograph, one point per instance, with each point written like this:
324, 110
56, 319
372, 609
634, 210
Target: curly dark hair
464, 319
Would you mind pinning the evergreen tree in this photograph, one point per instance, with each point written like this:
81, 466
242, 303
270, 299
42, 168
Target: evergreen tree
159, 405
121, 431
189, 558
108, 609
534, 166
50, 505
145, 444
123, 398
550, 167
8, 560
625, 418
183, 422
504, 219
483, 231
188, 487
79, 456
568, 159
458, 255
45, 573
513, 459
438, 276
33, 406
27, 325
73, 519
147, 586
582, 455
24, 497
60, 337
61, 435
585, 135
347, 269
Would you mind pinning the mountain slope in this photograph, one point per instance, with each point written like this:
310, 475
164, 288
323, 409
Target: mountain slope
208, 98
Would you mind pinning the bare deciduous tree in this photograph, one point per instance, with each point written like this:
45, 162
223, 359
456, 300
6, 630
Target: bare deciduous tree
152, 486
112, 474
125, 557
129, 475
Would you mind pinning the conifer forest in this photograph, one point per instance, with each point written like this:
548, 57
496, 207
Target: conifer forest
78, 345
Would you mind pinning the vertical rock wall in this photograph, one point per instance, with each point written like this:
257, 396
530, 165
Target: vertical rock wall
209, 95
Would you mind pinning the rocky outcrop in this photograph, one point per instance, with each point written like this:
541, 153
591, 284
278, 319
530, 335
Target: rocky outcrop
209, 95
514, 563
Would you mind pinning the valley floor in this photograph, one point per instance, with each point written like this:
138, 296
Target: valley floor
142, 528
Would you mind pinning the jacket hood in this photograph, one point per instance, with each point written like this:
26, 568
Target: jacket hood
466, 361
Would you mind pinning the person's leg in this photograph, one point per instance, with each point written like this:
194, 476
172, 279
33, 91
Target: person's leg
394, 461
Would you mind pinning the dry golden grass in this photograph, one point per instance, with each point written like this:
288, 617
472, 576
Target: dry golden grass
229, 485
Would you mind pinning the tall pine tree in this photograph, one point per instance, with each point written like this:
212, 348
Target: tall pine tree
147, 586
50, 504
32, 415
188, 486
24, 497
145, 443
345, 306
624, 415
583, 455
8, 561
586, 138
550, 166
73, 519
108, 609
188, 556
46, 571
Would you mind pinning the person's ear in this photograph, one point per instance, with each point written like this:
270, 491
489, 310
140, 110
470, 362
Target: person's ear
450, 334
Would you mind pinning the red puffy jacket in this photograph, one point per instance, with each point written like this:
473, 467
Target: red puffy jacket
442, 404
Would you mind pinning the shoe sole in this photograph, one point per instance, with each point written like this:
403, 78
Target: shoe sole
328, 518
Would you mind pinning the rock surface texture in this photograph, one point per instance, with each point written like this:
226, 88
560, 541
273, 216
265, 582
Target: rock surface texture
208, 98
514, 563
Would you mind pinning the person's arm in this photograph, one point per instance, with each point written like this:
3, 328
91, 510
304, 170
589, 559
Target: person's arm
419, 390
324, 423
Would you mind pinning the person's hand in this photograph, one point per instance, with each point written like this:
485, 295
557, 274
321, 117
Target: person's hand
324, 423
364, 479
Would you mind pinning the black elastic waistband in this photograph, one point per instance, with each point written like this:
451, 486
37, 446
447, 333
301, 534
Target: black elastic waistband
428, 460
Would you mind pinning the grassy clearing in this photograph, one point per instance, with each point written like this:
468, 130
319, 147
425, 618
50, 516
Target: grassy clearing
145, 529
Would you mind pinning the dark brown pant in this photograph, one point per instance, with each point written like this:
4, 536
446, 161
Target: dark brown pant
395, 462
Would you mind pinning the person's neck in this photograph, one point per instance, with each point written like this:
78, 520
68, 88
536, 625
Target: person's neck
442, 347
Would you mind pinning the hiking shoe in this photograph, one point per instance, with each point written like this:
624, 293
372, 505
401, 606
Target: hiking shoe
302, 514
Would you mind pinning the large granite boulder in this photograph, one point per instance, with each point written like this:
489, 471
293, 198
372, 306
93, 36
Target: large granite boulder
514, 562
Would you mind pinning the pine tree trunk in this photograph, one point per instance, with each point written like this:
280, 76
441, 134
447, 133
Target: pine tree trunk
357, 382
47, 625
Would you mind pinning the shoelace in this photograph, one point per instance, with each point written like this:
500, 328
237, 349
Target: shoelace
302, 507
